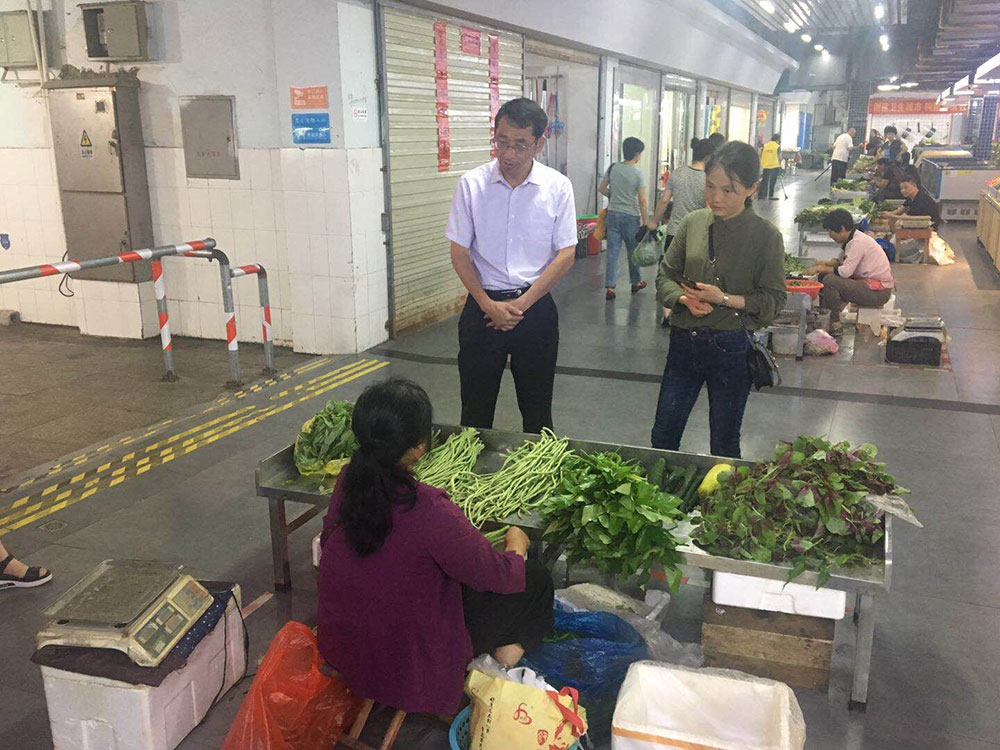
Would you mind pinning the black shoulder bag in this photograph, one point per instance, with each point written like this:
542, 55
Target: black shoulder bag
764, 372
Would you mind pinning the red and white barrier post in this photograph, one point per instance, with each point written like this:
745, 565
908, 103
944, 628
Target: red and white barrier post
265, 311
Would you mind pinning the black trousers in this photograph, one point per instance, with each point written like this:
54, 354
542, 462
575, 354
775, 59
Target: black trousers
495, 620
838, 170
531, 346
768, 181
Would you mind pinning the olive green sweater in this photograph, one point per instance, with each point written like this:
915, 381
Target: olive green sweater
750, 261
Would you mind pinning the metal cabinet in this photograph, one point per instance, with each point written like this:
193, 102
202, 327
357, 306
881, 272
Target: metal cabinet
101, 168
17, 47
116, 30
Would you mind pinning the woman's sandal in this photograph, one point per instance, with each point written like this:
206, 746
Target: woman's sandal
609, 294
636, 288
31, 578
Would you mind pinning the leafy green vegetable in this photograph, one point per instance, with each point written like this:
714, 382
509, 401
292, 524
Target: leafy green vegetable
605, 512
326, 443
863, 164
806, 507
455, 455
852, 185
794, 265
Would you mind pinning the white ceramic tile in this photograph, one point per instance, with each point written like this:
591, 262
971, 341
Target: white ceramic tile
301, 287
299, 253
242, 208
189, 323
316, 203
335, 171
342, 298
213, 320
221, 208
325, 343
22, 167
197, 183
245, 247
303, 333
293, 172
208, 286
358, 169
345, 337
267, 249
280, 220
378, 290
258, 166
361, 308
200, 207
314, 170
53, 239
42, 165
281, 240
181, 200
263, 209
338, 214
376, 251
36, 241
339, 254
174, 158
225, 240
13, 201
297, 211
322, 296
318, 251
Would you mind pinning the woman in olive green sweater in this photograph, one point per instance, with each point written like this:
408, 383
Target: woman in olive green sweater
723, 275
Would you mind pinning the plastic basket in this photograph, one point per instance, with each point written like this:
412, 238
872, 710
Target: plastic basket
460, 734
812, 288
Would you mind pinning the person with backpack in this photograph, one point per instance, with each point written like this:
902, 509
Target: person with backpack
627, 209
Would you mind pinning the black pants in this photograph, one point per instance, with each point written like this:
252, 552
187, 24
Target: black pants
495, 620
532, 347
768, 181
838, 170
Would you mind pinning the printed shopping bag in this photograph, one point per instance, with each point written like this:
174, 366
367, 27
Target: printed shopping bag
510, 716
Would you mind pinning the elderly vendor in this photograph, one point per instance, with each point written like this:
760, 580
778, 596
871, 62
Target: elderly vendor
860, 274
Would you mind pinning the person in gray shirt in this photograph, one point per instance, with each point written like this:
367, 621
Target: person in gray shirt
627, 207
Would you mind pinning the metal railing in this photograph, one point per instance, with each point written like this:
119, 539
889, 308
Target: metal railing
195, 249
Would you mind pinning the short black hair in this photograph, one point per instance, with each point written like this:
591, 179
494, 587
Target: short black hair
702, 148
890, 129
838, 220
717, 138
631, 147
884, 160
907, 177
523, 113
776, 137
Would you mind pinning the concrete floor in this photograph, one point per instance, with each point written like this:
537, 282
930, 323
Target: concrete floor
934, 674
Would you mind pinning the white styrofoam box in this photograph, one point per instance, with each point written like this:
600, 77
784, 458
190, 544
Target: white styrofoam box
663, 705
88, 712
317, 550
737, 590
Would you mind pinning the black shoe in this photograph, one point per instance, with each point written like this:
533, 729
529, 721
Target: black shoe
773, 198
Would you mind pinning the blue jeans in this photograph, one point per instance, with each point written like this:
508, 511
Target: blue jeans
718, 358
621, 228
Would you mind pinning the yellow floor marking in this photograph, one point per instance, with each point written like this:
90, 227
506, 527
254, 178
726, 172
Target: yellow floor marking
103, 467
116, 481
142, 461
49, 490
19, 503
78, 478
168, 459
128, 457
63, 495
143, 469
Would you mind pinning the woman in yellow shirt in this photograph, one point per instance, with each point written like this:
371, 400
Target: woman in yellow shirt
771, 165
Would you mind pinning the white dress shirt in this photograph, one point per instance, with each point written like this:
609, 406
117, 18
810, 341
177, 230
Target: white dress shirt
512, 233
842, 147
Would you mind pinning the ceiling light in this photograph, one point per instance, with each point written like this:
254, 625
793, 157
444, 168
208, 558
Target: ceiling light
990, 66
961, 85
909, 84
767, 6
884, 40
825, 54
818, 47
802, 8
879, 12
888, 87
791, 27
807, 38
893, 79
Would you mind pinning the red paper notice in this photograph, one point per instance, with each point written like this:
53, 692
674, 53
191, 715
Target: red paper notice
441, 95
471, 41
309, 97
494, 88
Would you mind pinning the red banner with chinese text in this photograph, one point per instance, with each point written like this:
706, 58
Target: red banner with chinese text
441, 95
896, 106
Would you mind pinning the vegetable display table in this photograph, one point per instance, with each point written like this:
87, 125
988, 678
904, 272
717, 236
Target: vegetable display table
796, 303
279, 482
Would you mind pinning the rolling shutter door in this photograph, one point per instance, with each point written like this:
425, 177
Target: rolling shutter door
423, 287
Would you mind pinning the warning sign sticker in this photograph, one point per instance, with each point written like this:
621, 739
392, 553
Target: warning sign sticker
86, 147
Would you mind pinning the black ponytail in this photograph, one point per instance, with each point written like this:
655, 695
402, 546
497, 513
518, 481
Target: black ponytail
739, 161
389, 419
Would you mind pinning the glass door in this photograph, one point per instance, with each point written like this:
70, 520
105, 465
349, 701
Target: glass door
637, 115
716, 106
740, 116
677, 110
766, 124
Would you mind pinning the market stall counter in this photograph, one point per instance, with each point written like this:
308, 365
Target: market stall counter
278, 480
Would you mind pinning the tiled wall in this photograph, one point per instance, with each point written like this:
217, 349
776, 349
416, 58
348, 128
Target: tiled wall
310, 217
31, 217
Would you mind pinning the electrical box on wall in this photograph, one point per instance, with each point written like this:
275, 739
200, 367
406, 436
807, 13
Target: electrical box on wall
116, 31
208, 128
17, 44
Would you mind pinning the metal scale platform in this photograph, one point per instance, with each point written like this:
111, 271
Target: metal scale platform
918, 342
138, 607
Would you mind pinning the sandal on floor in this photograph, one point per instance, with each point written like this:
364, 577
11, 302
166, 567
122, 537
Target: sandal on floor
31, 578
610, 294
639, 287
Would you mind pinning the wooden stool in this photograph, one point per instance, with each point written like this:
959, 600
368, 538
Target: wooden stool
351, 739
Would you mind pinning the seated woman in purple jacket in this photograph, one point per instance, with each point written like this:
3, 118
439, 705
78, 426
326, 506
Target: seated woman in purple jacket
409, 590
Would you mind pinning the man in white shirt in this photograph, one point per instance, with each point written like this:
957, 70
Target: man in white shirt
841, 153
513, 235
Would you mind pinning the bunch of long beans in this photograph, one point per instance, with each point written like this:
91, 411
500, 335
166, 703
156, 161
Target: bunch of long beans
454, 456
529, 473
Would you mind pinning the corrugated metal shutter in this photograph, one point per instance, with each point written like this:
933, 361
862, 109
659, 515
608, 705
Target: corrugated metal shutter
423, 286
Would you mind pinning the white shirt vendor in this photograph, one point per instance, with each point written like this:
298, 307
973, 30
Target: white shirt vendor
512, 233
513, 236
842, 147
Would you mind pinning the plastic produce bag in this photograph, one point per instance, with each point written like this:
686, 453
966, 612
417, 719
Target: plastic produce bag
645, 617
593, 654
941, 252
650, 250
821, 342
291, 705
662, 705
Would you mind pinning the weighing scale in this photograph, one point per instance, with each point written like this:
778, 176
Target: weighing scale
138, 607
918, 342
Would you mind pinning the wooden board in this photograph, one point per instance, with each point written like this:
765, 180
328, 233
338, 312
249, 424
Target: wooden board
790, 674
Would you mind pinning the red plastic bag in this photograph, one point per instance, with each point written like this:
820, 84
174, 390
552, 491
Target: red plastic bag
291, 705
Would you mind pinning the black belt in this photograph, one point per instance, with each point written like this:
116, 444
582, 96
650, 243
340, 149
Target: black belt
501, 295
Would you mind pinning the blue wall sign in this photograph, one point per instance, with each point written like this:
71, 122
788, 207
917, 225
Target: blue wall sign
311, 127
5, 241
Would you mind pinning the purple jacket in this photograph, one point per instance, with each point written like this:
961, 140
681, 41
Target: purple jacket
392, 622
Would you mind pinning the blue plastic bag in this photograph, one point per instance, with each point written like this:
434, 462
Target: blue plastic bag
890, 249
594, 662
